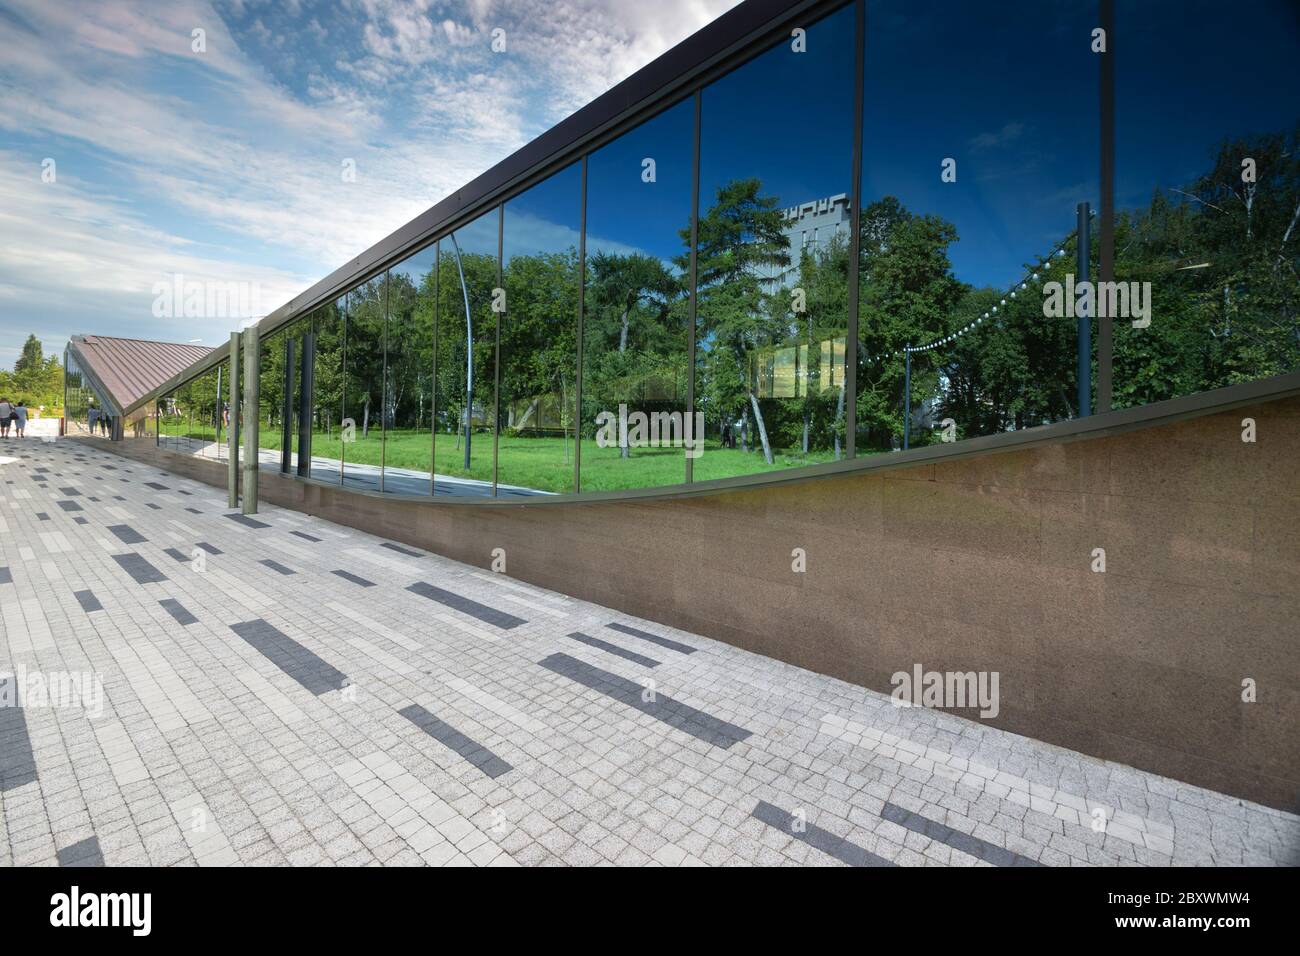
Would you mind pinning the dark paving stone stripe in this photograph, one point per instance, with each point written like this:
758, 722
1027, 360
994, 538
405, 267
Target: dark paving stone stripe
178, 555
210, 548
80, 520
463, 604
349, 576
815, 836
126, 534
304, 534
194, 511
277, 566
70, 506
84, 853
247, 522
182, 491
400, 550
155, 486
973, 845
69, 491
88, 601
313, 673
177, 610
685, 718
96, 500
614, 649
150, 504
41, 515
6, 576
653, 638
140, 569
17, 762
453, 739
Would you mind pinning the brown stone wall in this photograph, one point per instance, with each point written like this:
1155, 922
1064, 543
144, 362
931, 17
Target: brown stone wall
982, 563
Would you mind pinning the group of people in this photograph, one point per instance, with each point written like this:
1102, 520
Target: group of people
12, 415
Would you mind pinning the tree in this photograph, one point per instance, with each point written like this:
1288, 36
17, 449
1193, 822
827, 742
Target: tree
740, 240
33, 358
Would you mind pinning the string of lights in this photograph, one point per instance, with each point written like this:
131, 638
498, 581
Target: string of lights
1032, 276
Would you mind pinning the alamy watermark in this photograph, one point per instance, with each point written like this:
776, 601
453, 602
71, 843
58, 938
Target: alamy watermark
181, 298
1117, 300
83, 690
651, 430
952, 690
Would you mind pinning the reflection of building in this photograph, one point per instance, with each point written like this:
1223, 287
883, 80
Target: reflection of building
810, 227
785, 372
105, 375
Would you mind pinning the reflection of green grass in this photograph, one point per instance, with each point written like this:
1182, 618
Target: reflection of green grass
541, 463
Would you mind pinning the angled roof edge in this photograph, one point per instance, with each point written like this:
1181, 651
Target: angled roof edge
710, 51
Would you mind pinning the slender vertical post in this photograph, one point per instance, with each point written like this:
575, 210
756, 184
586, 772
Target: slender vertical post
286, 408
1106, 244
496, 373
305, 377
252, 376
694, 279
907, 393
582, 318
850, 379
1084, 313
232, 429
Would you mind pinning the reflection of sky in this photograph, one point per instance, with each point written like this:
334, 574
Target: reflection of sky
1011, 94
785, 118
1193, 73
624, 211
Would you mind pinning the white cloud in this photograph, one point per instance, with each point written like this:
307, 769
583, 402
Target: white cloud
208, 165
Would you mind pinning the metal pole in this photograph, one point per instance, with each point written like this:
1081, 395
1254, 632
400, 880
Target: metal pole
469, 350
252, 376
1084, 314
232, 429
1106, 231
907, 393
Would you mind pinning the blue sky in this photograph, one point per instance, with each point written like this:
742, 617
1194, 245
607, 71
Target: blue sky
226, 165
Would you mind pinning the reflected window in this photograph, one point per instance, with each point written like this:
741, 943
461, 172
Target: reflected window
539, 338
465, 385
771, 306
636, 320
975, 157
1206, 197
408, 405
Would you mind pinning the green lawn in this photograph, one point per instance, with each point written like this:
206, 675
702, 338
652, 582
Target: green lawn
539, 463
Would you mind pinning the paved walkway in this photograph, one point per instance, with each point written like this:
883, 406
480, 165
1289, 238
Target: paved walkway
199, 688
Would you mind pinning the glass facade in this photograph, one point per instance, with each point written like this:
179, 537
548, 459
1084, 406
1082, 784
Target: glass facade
697, 297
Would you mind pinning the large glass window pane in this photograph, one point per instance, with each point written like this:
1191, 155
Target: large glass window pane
363, 454
172, 422
539, 338
270, 397
636, 322
329, 332
1207, 241
466, 358
408, 382
772, 254
980, 137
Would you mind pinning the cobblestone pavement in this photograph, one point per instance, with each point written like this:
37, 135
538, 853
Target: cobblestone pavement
285, 690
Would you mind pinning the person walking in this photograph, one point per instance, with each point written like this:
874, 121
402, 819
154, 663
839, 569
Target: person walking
6, 413
20, 417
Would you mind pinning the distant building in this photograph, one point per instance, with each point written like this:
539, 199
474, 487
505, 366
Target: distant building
810, 226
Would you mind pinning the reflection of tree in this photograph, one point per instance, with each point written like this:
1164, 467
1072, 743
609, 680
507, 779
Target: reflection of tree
624, 291
740, 239
1221, 257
